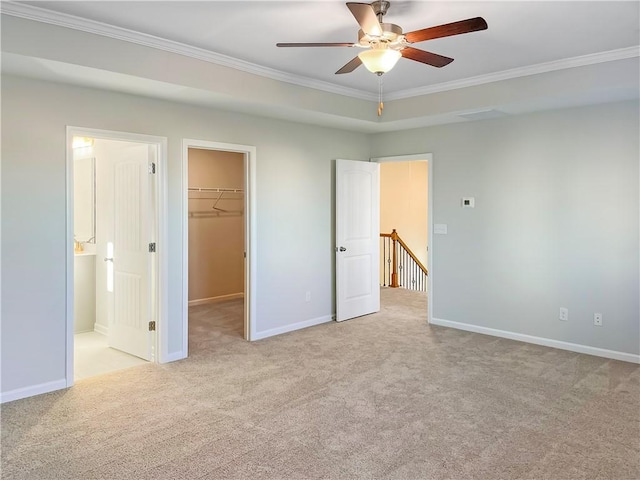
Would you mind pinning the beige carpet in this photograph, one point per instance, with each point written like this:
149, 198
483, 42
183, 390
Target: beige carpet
382, 396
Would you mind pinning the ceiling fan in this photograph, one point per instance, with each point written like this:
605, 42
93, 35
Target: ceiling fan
386, 43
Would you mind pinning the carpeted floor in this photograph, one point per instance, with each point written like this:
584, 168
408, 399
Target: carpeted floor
383, 396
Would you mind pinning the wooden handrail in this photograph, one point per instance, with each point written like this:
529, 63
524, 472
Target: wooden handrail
394, 272
415, 259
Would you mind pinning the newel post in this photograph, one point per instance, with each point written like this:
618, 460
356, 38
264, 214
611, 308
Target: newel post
394, 272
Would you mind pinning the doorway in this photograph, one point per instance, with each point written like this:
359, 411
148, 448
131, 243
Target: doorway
406, 207
218, 229
114, 268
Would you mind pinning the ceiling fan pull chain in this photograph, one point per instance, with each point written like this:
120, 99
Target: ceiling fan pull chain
380, 103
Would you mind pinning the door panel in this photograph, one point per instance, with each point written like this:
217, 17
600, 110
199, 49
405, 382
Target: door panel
357, 238
129, 326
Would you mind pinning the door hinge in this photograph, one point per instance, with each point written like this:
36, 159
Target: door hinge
152, 168
152, 326
152, 247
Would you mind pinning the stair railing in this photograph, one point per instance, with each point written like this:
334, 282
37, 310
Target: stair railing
400, 267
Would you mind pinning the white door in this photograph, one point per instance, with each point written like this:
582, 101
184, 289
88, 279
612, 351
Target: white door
357, 238
131, 309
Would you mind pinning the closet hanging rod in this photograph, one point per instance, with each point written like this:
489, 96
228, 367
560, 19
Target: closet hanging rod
233, 213
216, 189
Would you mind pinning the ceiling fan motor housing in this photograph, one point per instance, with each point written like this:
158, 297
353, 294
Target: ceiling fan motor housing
391, 35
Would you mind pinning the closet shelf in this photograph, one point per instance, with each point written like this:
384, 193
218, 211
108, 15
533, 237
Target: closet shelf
215, 193
218, 194
216, 190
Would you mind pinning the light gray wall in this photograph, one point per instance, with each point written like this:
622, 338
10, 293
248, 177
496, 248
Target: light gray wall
294, 213
555, 223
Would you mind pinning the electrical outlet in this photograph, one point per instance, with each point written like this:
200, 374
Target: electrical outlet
564, 314
597, 319
307, 297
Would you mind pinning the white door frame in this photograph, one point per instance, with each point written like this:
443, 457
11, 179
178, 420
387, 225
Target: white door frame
429, 158
161, 344
250, 269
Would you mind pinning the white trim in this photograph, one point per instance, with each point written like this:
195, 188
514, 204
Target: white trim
428, 157
250, 269
292, 327
219, 298
185, 248
546, 342
98, 28
91, 26
69, 264
430, 246
162, 259
25, 392
161, 235
566, 63
101, 329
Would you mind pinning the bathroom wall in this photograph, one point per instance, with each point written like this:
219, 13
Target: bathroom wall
84, 263
216, 238
84, 299
83, 194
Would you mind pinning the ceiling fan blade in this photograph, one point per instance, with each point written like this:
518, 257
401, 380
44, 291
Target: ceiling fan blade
422, 56
447, 30
315, 45
354, 63
366, 18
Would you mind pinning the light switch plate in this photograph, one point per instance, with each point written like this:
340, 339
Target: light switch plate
440, 228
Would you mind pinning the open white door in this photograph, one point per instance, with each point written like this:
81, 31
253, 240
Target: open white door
131, 312
357, 238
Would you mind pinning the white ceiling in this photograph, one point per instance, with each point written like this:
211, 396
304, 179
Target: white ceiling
520, 34
523, 39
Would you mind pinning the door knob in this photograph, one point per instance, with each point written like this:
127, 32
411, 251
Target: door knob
342, 249
108, 259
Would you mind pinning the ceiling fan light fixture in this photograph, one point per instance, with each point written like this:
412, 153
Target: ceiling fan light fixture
379, 60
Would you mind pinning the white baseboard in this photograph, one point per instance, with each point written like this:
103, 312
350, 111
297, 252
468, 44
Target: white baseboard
290, 328
25, 392
546, 342
100, 329
76, 332
220, 298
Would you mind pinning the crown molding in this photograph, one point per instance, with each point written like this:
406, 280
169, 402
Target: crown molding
42, 15
38, 14
581, 61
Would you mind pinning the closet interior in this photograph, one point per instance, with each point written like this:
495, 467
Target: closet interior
216, 244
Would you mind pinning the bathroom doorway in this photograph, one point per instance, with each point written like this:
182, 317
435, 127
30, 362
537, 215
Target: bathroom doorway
114, 286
